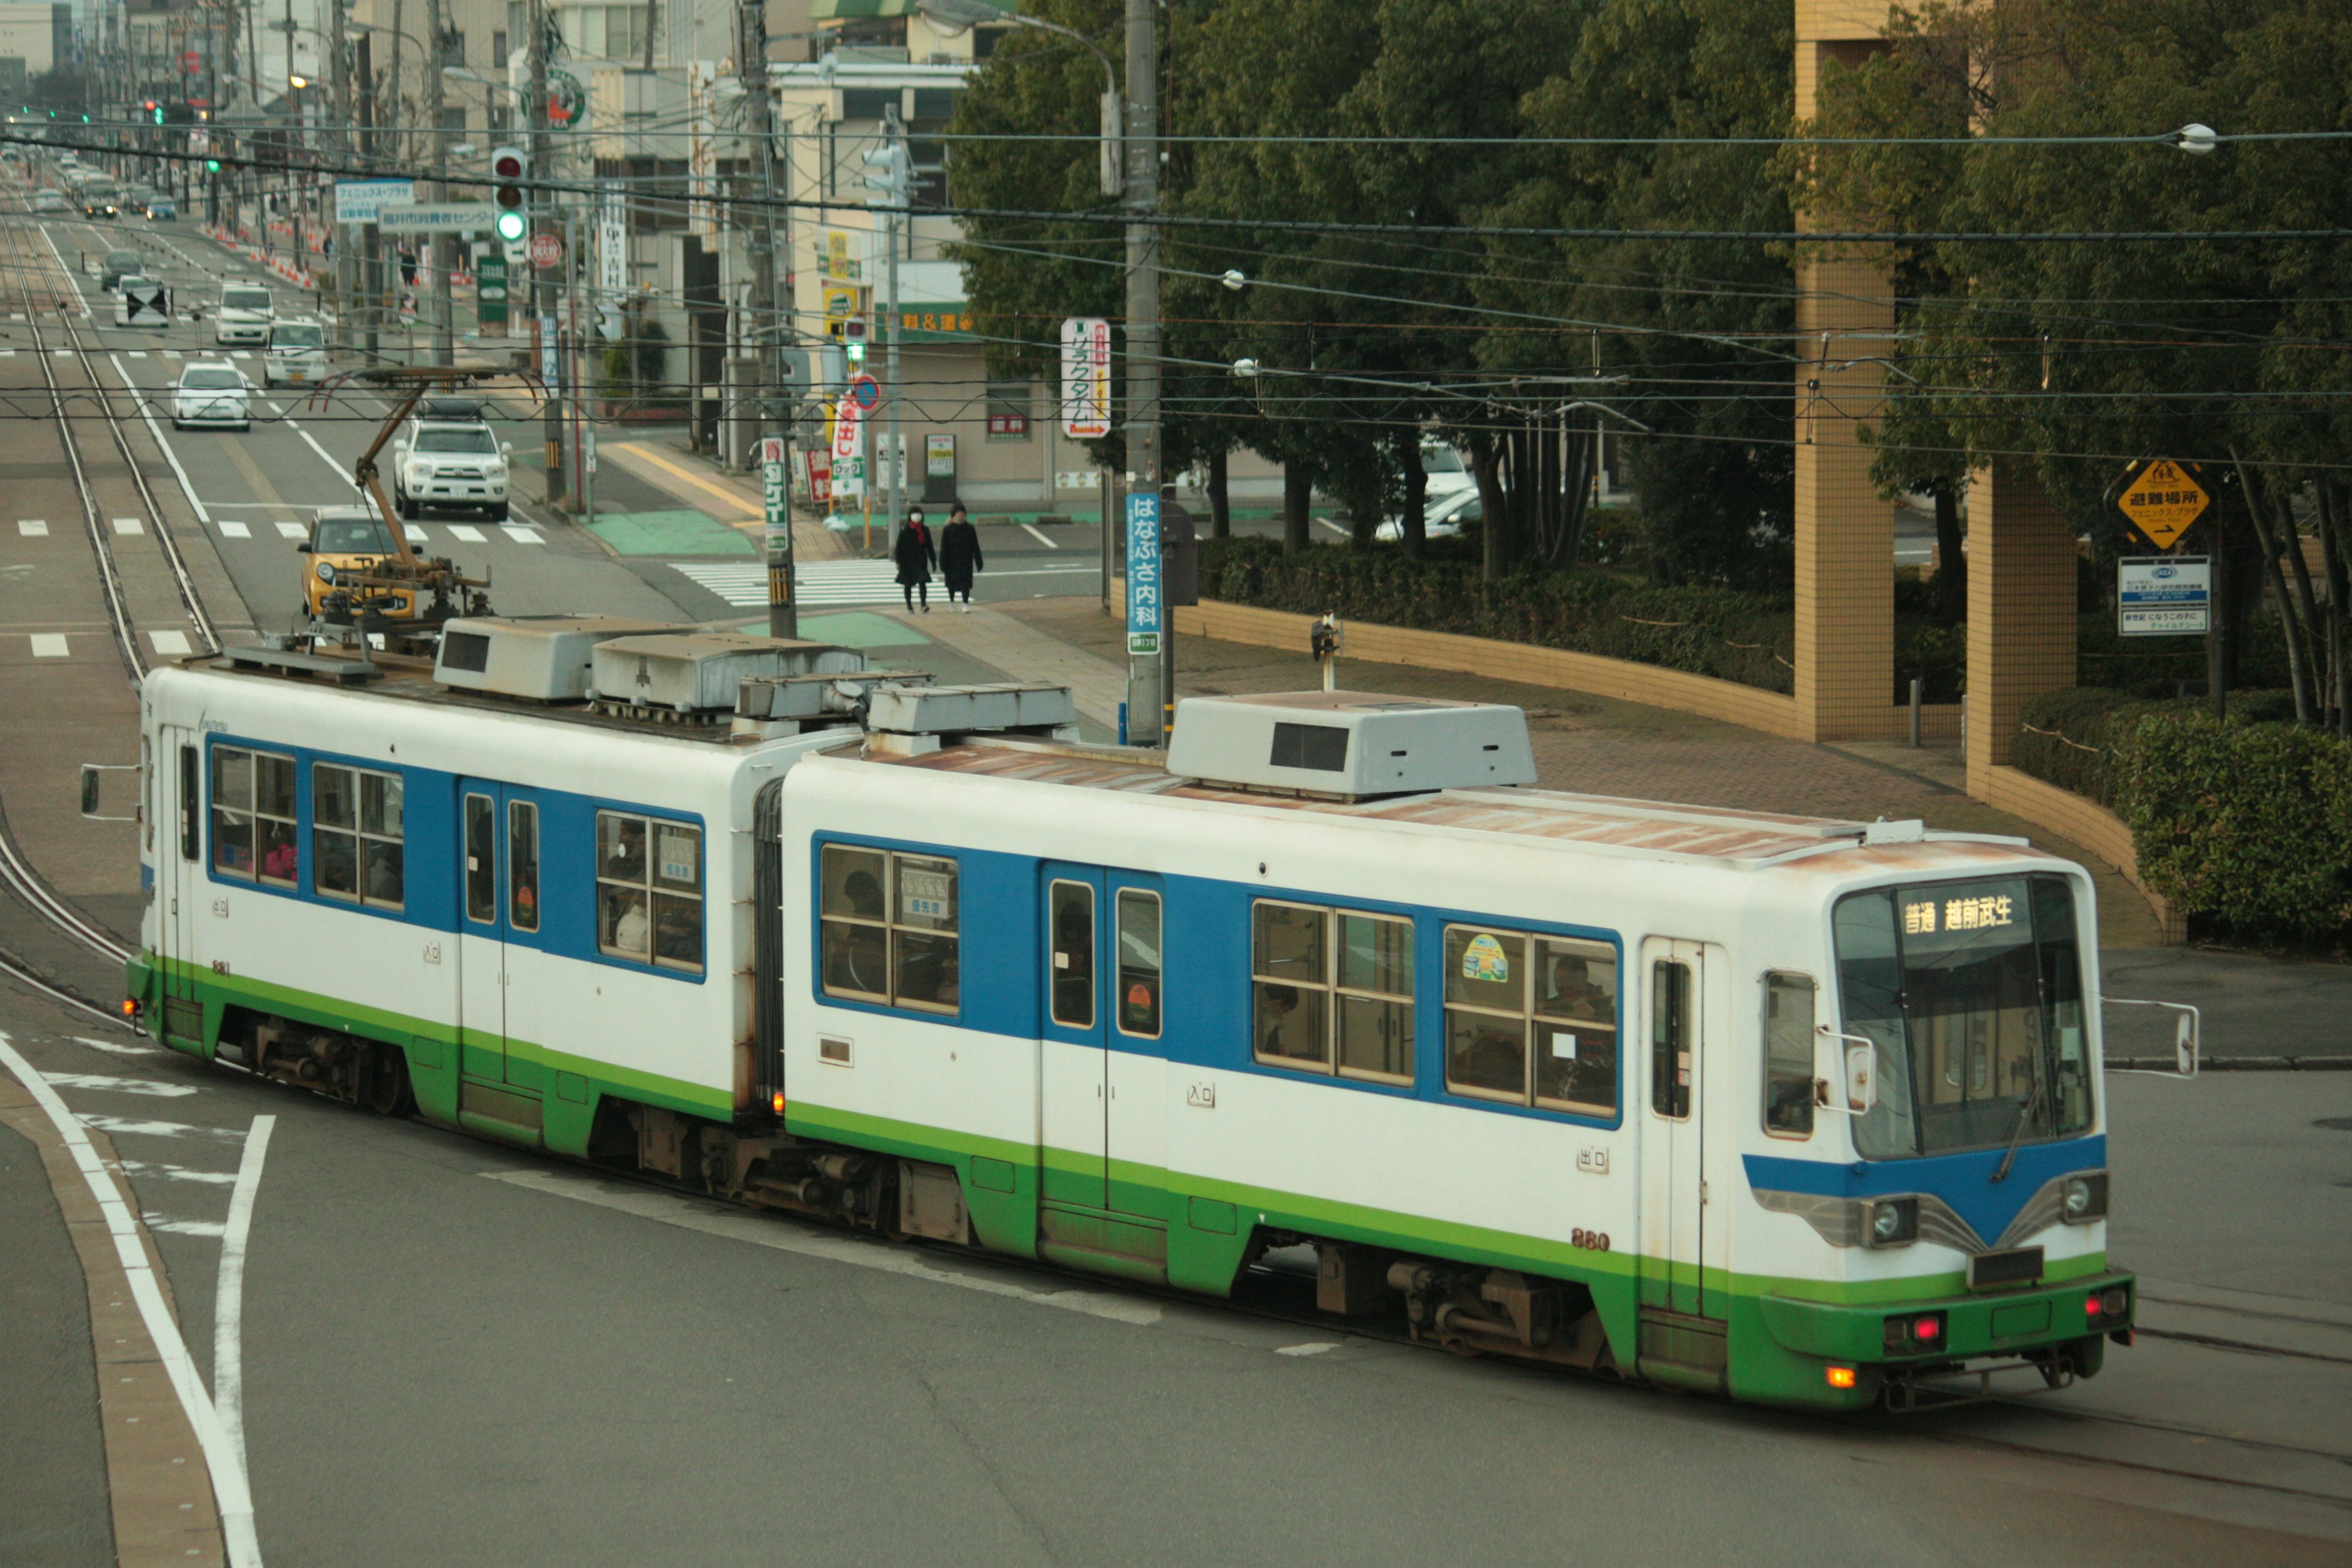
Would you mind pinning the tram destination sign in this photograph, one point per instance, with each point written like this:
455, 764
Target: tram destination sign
2162, 499
2164, 595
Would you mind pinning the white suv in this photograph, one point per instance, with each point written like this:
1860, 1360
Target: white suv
448, 459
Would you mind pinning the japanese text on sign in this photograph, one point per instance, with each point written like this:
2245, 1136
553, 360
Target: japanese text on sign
1143, 586
1985, 913
1085, 377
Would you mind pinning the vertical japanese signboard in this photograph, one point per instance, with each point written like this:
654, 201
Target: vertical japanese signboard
775, 501
612, 248
490, 290
1143, 586
701, 148
1085, 377
848, 449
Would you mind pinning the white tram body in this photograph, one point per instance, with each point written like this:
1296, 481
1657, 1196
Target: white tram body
1803, 1111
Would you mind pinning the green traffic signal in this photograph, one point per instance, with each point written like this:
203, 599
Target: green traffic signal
212, 165
511, 227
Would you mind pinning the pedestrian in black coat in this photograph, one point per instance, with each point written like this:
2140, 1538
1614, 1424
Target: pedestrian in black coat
917, 557
959, 555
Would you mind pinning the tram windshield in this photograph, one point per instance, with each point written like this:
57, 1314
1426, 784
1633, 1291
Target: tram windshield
1973, 992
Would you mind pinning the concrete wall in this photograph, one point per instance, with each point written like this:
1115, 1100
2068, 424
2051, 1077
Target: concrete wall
33, 34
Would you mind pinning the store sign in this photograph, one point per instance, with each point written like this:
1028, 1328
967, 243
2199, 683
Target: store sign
1143, 594
361, 201
848, 449
2164, 595
1085, 377
567, 100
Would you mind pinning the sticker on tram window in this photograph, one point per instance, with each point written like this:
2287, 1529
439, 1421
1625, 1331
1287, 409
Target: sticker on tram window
1563, 1046
1918, 919
677, 856
1483, 959
925, 892
1977, 914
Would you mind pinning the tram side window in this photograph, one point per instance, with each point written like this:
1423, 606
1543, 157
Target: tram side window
1139, 964
522, 866
1531, 1019
1331, 990
1789, 1055
648, 890
481, 860
357, 831
191, 804
253, 816
1670, 1038
890, 928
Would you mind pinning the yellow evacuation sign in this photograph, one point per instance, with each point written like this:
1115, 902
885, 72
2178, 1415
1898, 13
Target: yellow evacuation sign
2162, 499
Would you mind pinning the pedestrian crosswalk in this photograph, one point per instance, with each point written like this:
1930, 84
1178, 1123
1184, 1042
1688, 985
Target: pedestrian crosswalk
419, 536
744, 584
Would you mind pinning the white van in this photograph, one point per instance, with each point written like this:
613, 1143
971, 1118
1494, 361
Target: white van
297, 352
245, 314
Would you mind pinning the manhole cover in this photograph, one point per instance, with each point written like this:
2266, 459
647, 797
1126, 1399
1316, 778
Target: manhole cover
2335, 1124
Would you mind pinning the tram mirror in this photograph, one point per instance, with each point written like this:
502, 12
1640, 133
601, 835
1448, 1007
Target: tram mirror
1846, 1069
89, 790
1861, 1077
2184, 1033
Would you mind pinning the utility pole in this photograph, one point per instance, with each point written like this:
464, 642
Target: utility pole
366, 234
760, 121
440, 248
902, 183
341, 79
542, 295
1145, 692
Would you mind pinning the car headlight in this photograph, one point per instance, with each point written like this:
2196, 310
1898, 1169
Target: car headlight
1892, 1222
2081, 1199
326, 572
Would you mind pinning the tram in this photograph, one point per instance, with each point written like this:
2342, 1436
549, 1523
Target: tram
1804, 1112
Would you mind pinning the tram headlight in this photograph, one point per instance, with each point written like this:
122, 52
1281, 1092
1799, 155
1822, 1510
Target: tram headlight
1893, 1222
2081, 1199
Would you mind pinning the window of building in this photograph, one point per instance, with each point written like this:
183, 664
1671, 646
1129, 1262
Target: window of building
1531, 1019
1331, 990
254, 835
357, 832
522, 866
890, 928
1008, 410
868, 103
603, 32
1789, 1055
649, 890
1139, 964
498, 48
1670, 1038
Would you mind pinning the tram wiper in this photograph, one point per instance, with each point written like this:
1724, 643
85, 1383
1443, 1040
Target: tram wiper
2017, 1134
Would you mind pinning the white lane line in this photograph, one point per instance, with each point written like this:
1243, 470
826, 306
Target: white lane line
233, 529
147, 1086
50, 645
1312, 1347
169, 644
1032, 532
187, 486
115, 1048
324, 456
133, 1127
229, 1295
127, 525
463, 532
228, 1466
292, 530
181, 1227
33, 527
783, 1236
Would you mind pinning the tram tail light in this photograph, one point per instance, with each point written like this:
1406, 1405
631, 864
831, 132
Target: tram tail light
1915, 1334
778, 1103
2111, 1302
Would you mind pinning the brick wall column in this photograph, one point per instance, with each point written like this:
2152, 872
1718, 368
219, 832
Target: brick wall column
2022, 629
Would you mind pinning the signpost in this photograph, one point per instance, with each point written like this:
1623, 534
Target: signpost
490, 290
776, 506
360, 201
1144, 609
547, 250
434, 218
866, 392
2163, 500
2164, 595
1085, 377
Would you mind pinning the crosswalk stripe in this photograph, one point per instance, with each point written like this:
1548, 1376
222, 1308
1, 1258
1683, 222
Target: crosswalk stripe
234, 530
745, 585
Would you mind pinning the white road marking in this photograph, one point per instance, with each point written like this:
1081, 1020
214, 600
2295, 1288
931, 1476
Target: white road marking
522, 535
1313, 1347
292, 530
240, 353
324, 456
115, 1048
1031, 530
226, 1463
233, 529
132, 1127
147, 414
464, 532
228, 1294
129, 525
783, 1236
170, 645
183, 1227
173, 354
417, 535
147, 1086
8, 353
33, 527
61, 354
178, 1173
744, 584
137, 353
50, 645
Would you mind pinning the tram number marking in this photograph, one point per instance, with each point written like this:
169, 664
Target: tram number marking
1202, 1095
1591, 1241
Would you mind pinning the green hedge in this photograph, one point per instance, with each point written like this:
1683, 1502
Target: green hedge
2247, 825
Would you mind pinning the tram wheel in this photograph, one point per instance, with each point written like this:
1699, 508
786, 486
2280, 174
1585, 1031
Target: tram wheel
386, 1089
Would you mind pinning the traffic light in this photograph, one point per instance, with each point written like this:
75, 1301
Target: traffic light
852, 346
156, 111
507, 165
212, 165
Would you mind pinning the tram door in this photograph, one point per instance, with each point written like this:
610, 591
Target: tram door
1103, 1068
1673, 1081
178, 849
498, 933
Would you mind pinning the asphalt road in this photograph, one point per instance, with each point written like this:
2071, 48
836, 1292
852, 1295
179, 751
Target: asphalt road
456, 1353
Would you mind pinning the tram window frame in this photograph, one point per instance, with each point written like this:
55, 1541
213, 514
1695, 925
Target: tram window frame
1670, 1086
1070, 953
897, 934
1788, 1055
670, 902
191, 804
373, 831
1532, 1017
1143, 1020
239, 803
481, 879
522, 865
1330, 991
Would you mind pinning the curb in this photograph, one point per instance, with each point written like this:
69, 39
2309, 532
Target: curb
2233, 1064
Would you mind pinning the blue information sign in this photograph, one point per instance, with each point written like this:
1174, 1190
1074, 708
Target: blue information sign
1143, 584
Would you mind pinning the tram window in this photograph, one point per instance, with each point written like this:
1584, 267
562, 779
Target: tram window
1574, 1028
522, 865
890, 927
1789, 1055
481, 860
1486, 1013
1670, 1038
1139, 964
1070, 917
1290, 987
357, 831
191, 813
254, 835
1372, 1011
649, 890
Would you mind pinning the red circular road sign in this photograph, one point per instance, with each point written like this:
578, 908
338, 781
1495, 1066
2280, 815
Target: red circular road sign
866, 390
546, 249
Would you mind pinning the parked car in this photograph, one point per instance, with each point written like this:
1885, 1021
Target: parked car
246, 312
212, 395
117, 265
1448, 474
447, 457
1441, 517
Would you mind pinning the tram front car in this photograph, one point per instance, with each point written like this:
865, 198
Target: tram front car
1954, 1181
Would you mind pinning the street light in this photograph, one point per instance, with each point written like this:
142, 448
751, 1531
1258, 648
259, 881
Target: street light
975, 13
